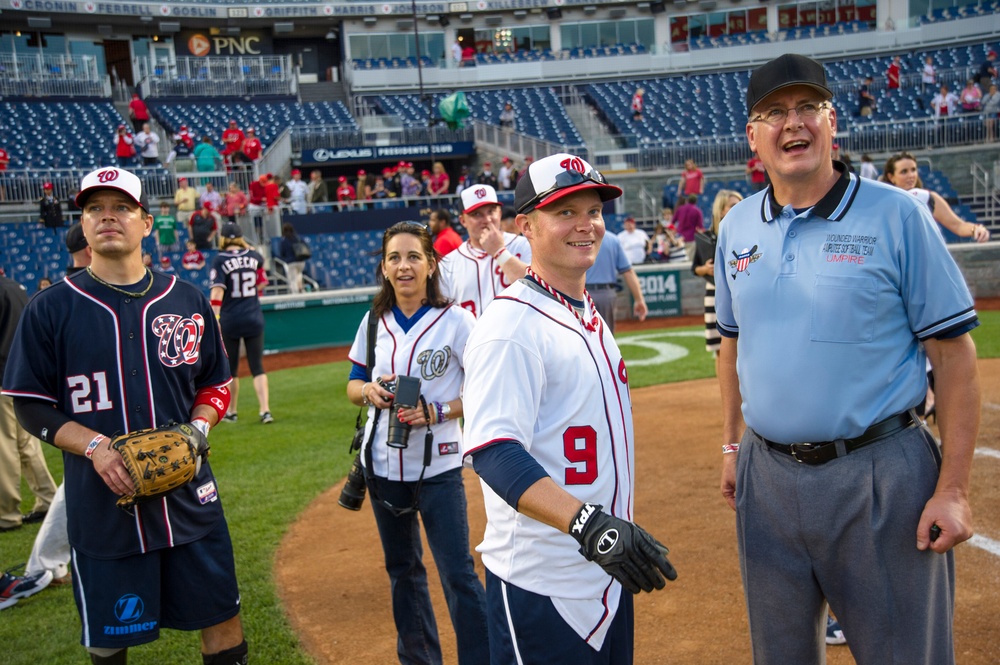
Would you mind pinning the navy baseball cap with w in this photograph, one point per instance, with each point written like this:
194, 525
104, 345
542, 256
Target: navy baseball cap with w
556, 176
111, 177
783, 71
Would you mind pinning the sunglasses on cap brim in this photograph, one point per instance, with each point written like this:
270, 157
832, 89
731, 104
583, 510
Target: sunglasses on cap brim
565, 180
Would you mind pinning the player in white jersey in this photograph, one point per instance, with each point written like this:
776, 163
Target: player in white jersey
549, 430
489, 261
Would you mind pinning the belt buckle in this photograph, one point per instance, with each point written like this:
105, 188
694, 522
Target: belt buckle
797, 448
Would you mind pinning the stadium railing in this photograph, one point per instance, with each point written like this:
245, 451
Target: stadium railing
217, 76
39, 75
505, 142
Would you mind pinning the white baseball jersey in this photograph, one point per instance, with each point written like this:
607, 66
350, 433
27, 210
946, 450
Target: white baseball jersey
432, 351
471, 277
535, 375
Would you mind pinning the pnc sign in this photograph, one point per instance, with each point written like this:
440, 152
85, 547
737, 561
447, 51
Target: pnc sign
200, 44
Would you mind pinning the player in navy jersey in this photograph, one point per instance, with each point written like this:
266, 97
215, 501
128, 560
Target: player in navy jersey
117, 348
237, 279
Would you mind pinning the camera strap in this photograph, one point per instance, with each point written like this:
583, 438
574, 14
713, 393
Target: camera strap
367, 445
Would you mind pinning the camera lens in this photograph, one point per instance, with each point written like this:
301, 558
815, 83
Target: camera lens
353, 494
399, 432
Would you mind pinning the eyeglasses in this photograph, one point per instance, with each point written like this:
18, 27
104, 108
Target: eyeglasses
805, 111
562, 181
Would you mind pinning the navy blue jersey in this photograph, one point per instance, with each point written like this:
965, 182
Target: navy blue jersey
116, 364
238, 271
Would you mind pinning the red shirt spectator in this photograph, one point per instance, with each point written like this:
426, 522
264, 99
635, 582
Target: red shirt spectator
755, 169
232, 139
692, 179
637, 103
124, 148
4, 159
272, 193
185, 136
258, 191
447, 241
252, 147
138, 112
345, 192
892, 75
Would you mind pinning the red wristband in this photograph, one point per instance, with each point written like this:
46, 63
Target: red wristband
216, 303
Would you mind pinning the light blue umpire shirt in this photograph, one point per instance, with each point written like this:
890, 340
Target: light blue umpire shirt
830, 304
611, 261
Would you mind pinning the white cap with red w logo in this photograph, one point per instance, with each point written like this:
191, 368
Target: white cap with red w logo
477, 196
111, 177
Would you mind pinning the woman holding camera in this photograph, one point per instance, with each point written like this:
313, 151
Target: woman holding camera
420, 336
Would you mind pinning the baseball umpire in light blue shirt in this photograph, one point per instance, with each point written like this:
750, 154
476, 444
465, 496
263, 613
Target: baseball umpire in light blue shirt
831, 293
602, 281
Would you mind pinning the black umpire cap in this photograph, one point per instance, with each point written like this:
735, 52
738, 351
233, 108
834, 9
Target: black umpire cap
783, 71
75, 240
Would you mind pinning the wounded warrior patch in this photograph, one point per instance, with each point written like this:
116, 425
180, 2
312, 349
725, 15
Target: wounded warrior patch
743, 260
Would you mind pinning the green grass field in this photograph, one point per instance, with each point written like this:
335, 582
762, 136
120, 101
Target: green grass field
269, 473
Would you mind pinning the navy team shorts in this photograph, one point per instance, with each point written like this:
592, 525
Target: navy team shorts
124, 602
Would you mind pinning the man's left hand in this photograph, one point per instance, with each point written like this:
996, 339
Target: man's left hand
950, 512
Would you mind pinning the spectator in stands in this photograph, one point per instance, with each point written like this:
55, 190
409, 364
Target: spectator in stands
944, 103
364, 185
44, 283
756, 174
866, 100
703, 265
203, 225
440, 183
147, 142
137, 112
147, 260
252, 148
192, 258
165, 227
505, 178
345, 193
928, 76
464, 180
232, 140
298, 192
446, 239
987, 72
317, 188
378, 189
185, 198
892, 75
258, 195
235, 203
637, 104
410, 185
688, 220
667, 245
634, 241
970, 97
4, 161
901, 171
425, 182
868, 169
272, 199
124, 147
692, 181
507, 116
991, 109
206, 157
284, 193
210, 195
181, 151
456, 52
486, 176
185, 136
468, 55
286, 252
166, 266
50, 212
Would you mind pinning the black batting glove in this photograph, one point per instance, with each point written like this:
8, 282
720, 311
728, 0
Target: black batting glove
623, 549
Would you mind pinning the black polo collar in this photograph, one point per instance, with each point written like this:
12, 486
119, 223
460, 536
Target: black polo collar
833, 206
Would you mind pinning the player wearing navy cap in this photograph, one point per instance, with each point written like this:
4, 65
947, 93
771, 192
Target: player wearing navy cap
238, 277
489, 261
549, 431
831, 291
112, 349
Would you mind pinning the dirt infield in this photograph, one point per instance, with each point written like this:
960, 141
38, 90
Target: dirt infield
330, 575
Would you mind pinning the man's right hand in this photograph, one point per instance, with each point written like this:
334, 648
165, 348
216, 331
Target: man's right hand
109, 465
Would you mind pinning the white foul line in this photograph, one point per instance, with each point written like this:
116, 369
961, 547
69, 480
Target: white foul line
984, 543
988, 452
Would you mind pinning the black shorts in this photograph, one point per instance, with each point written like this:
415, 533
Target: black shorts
124, 602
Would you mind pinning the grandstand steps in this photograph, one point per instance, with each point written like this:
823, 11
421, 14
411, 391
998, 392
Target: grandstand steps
596, 134
324, 91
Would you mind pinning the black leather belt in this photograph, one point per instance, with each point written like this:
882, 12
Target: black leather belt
600, 287
821, 453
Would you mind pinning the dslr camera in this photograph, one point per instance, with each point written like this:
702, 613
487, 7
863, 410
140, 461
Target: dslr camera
407, 395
